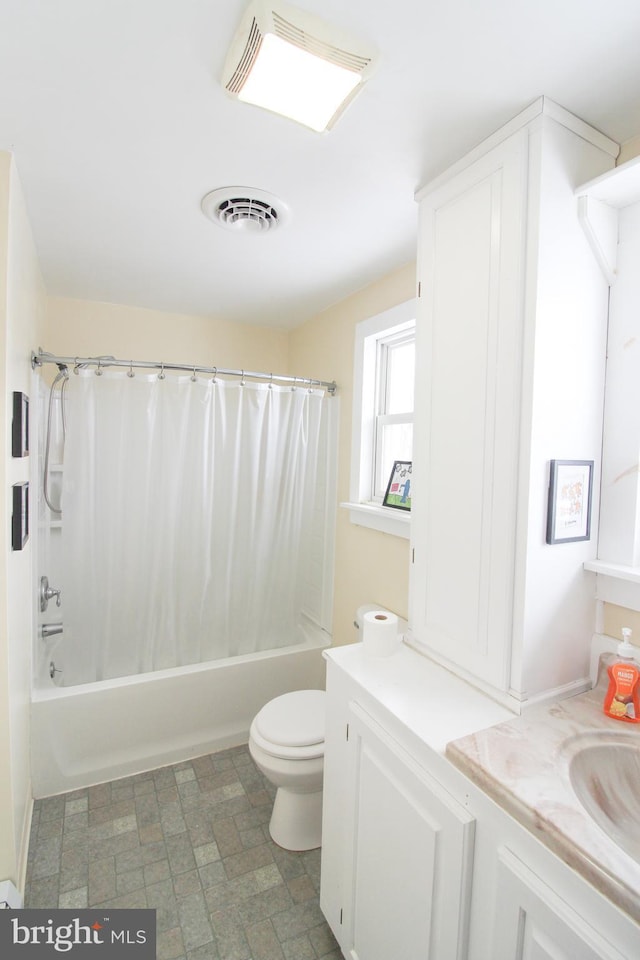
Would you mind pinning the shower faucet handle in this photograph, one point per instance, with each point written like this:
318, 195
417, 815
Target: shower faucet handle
47, 593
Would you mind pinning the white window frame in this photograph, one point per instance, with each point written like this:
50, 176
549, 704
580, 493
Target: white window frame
610, 227
363, 509
382, 419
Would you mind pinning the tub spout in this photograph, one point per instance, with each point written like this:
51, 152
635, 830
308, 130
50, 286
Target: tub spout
50, 630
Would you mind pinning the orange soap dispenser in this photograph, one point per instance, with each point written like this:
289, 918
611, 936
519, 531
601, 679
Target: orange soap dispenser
621, 701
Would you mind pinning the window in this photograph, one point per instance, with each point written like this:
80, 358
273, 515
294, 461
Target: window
611, 218
393, 425
384, 370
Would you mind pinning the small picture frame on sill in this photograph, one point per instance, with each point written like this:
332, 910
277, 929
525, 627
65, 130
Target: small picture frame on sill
569, 506
398, 493
20, 425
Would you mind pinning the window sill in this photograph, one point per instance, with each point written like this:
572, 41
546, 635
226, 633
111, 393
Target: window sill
616, 583
384, 519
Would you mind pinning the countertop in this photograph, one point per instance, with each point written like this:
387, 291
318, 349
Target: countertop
430, 701
523, 764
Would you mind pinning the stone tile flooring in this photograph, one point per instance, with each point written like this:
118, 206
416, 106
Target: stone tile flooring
192, 841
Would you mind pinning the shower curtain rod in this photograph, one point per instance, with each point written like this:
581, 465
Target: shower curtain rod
42, 357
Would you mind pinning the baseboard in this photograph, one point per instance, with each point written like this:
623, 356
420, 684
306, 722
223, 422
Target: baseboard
10, 898
558, 693
25, 839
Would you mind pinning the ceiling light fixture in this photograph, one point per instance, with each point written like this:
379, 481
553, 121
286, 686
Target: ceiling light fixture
294, 64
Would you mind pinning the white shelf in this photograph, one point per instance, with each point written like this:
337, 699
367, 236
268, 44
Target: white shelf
618, 188
599, 203
614, 570
616, 583
389, 520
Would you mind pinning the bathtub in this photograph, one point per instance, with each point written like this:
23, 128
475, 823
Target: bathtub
88, 734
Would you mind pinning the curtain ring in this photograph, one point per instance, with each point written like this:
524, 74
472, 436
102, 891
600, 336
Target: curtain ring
271, 381
130, 372
294, 388
99, 371
193, 376
215, 374
161, 374
242, 380
76, 368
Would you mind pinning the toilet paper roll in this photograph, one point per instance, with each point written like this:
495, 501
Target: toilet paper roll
380, 633
360, 612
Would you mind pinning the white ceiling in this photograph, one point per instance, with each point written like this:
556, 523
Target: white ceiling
119, 125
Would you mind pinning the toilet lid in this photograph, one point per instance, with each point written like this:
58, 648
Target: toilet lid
294, 719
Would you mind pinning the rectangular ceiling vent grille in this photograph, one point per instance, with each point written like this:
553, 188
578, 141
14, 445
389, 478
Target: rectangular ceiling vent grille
239, 76
301, 38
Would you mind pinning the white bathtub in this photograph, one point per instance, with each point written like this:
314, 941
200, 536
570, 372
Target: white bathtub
96, 732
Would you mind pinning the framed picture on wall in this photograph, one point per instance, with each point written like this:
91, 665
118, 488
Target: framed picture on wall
569, 506
398, 492
20, 425
20, 516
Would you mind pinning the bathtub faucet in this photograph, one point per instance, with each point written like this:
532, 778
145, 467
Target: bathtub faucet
47, 593
50, 630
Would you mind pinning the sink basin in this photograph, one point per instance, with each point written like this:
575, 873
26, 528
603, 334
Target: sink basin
604, 769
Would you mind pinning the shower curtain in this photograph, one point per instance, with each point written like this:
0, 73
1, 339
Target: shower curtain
194, 516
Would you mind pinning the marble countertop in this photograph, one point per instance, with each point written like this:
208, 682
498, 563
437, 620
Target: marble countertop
523, 764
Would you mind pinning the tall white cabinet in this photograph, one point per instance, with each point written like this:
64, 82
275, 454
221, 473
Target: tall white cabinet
511, 345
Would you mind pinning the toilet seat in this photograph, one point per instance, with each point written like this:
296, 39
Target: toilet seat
292, 726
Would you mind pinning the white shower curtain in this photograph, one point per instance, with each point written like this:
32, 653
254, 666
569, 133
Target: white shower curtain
190, 509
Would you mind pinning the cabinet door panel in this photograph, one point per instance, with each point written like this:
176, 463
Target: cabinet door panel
535, 923
469, 342
411, 855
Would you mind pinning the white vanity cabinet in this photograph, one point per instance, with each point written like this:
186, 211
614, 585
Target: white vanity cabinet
511, 338
528, 904
397, 849
418, 862
409, 844
536, 922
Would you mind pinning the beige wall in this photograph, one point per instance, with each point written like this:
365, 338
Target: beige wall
615, 618
85, 328
629, 150
370, 566
21, 315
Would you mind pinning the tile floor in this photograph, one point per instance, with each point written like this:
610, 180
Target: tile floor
192, 841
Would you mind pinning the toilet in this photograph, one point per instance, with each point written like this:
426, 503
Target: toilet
286, 741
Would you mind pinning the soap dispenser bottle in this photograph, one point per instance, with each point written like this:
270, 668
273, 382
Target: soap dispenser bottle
621, 701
